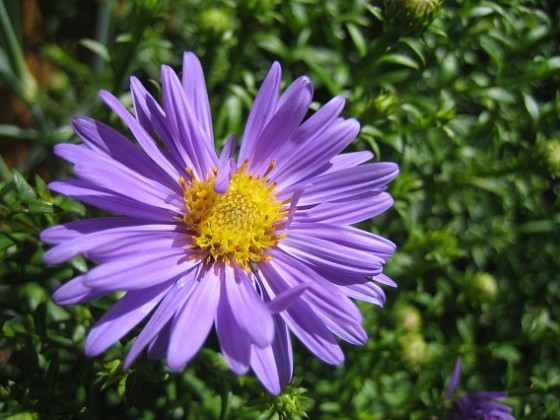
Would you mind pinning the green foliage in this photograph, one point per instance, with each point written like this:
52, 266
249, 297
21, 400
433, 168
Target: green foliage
468, 107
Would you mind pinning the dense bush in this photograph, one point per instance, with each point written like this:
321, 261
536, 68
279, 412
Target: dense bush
467, 106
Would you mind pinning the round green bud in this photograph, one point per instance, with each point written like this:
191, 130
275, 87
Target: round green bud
410, 17
408, 318
550, 151
215, 21
485, 287
414, 349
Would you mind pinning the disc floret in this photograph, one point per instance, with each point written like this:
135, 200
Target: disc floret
238, 226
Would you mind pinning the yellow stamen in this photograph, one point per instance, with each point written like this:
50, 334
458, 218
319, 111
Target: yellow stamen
238, 226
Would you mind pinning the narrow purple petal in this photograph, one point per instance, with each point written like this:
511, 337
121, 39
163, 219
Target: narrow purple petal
221, 184
322, 295
144, 139
193, 322
186, 127
72, 230
249, 307
107, 200
172, 302
348, 182
114, 176
122, 317
103, 139
273, 364
158, 346
454, 377
350, 211
346, 236
326, 255
316, 154
235, 343
138, 271
150, 114
84, 243
262, 111
383, 279
348, 160
286, 298
195, 91
228, 151
285, 120
75, 292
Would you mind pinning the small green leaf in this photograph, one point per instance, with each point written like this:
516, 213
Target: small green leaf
399, 59
532, 107
97, 48
25, 190
358, 39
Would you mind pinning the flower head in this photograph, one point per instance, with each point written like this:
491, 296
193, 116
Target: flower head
256, 247
480, 405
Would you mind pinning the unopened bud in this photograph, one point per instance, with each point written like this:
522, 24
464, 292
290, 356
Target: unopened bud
411, 17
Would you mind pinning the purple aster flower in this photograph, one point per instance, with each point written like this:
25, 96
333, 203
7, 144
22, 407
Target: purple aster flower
480, 405
256, 247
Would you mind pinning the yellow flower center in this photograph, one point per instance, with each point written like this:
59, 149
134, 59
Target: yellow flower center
238, 226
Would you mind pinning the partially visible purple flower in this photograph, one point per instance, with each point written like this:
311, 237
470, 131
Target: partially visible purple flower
256, 244
480, 405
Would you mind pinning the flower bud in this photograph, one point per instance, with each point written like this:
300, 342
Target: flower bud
550, 151
410, 17
215, 21
408, 318
485, 287
414, 349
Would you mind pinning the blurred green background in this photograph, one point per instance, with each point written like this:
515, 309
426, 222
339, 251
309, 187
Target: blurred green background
465, 100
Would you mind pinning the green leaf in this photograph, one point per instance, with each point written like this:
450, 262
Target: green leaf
357, 38
532, 107
399, 59
25, 190
97, 48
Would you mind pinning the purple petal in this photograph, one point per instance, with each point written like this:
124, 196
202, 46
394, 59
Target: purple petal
273, 364
327, 255
322, 295
454, 378
75, 292
285, 120
286, 298
150, 114
144, 139
248, 306
316, 154
122, 317
235, 343
72, 230
262, 111
158, 346
193, 322
138, 271
195, 91
114, 176
98, 197
103, 139
85, 242
347, 183
302, 319
348, 211
346, 236
383, 279
163, 314
228, 151
186, 127
348, 160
